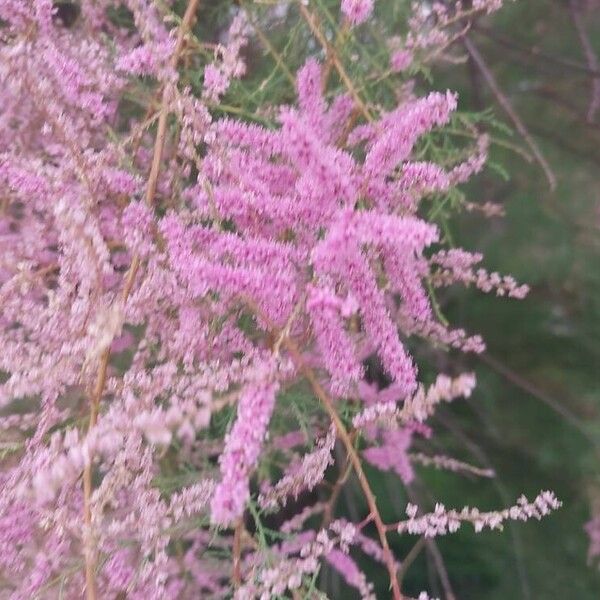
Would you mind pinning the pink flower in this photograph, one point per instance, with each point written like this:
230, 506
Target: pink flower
400, 60
242, 450
357, 11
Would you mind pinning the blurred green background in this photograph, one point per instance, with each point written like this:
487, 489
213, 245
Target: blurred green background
535, 414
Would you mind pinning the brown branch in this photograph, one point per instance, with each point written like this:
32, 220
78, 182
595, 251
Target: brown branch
590, 57
564, 144
237, 554
345, 470
409, 559
90, 554
533, 53
333, 57
433, 551
440, 567
343, 434
504, 102
547, 92
528, 387
269, 47
478, 454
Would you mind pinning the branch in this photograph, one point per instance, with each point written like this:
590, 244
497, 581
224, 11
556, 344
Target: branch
332, 56
504, 102
269, 47
410, 558
533, 53
237, 553
353, 458
90, 554
590, 56
528, 387
344, 473
434, 552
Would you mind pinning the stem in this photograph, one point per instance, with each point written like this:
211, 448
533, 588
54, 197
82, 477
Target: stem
345, 470
332, 55
90, 553
590, 56
410, 558
440, 567
534, 53
434, 552
354, 459
527, 386
164, 109
504, 102
237, 554
269, 47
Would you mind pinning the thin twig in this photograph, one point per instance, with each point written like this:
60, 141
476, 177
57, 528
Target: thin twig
504, 102
524, 384
345, 470
332, 55
533, 53
270, 48
478, 453
433, 550
549, 93
590, 57
409, 559
90, 554
237, 554
438, 561
354, 459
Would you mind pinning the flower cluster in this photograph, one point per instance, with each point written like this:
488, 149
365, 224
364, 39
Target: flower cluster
170, 278
442, 521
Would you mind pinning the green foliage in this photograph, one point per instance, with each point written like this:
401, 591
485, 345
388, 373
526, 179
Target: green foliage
534, 415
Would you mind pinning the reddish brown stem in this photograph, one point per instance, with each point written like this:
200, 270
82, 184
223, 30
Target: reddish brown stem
409, 559
505, 103
90, 554
355, 461
334, 59
590, 56
237, 554
345, 470
347, 440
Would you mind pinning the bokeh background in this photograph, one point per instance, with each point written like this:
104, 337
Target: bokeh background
535, 415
